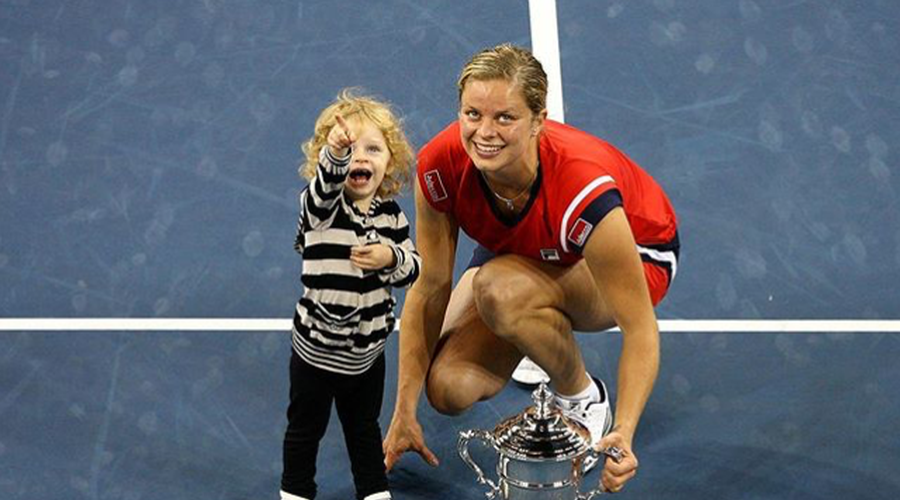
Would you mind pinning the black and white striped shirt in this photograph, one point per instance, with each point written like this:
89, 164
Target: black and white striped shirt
345, 315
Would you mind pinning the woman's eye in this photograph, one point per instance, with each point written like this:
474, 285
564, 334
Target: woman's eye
472, 114
506, 118
374, 149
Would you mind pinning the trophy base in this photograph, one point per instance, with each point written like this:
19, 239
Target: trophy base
510, 492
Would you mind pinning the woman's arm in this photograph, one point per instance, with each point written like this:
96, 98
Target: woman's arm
612, 256
420, 326
426, 302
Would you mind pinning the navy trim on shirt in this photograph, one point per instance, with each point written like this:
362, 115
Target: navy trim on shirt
595, 212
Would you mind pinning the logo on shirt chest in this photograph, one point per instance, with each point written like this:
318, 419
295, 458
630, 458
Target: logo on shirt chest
549, 254
435, 185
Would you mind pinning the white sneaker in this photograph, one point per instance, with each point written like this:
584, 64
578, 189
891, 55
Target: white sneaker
595, 415
528, 373
381, 495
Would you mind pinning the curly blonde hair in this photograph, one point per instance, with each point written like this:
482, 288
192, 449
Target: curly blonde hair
352, 102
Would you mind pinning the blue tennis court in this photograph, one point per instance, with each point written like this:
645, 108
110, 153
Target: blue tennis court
148, 155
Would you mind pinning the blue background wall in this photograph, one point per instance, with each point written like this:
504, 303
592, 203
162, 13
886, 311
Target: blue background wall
148, 155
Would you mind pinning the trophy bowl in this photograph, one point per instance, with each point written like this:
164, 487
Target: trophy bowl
541, 453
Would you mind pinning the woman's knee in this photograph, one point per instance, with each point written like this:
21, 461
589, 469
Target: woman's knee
503, 299
451, 391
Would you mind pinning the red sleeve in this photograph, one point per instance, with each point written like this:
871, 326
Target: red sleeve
437, 168
593, 199
592, 178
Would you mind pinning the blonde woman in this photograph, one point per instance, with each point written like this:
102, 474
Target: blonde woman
355, 244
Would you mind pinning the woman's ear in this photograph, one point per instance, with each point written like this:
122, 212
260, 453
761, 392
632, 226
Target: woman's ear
538, 123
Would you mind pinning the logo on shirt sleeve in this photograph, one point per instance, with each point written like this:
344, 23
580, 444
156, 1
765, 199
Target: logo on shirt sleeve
435, 185
580, 232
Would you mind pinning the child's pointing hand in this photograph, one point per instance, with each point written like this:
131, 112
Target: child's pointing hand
340, 138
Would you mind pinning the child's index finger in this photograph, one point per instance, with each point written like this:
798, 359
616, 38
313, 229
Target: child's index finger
342, 123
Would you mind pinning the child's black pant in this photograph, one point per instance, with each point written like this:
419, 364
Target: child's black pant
358, 400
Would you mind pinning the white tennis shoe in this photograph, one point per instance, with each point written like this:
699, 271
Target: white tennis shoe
596, 416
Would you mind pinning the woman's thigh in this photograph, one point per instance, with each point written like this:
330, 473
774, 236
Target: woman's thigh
466, 342
526, 285
467, 349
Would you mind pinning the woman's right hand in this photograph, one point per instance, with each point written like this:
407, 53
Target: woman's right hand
405, 435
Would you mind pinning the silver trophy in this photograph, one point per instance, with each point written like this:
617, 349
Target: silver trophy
542, 454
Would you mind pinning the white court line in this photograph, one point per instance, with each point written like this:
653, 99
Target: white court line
147, 324
284, 325
545, 47
780, 326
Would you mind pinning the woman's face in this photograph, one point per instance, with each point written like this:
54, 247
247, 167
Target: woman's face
496, 126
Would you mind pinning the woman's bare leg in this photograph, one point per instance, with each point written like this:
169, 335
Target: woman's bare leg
471, 364
510, 307
534, 306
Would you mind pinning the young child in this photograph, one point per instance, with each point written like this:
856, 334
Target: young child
355, 245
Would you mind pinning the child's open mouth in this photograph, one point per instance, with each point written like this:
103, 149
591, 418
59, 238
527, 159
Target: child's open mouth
359, 177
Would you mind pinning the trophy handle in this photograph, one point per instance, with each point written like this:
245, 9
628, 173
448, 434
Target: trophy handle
462, 447
614, 453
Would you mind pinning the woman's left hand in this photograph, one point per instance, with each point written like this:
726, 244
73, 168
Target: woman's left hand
616, 474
